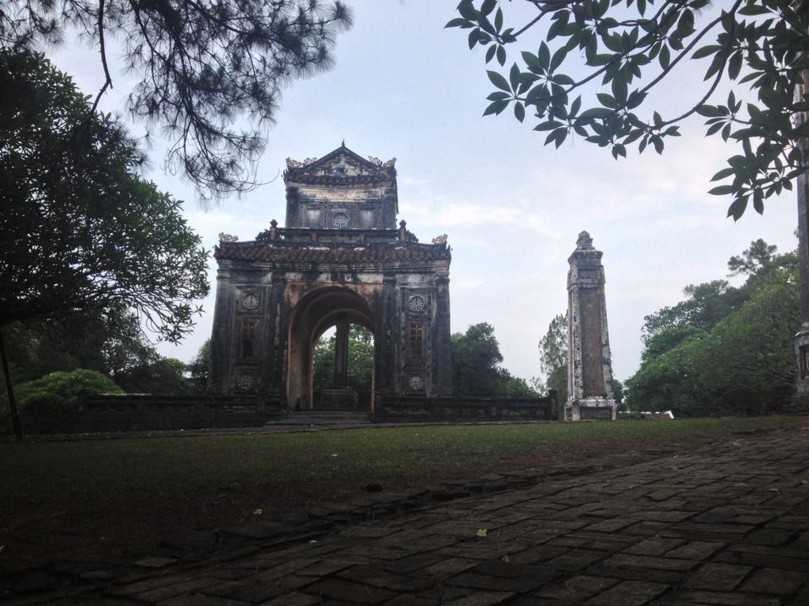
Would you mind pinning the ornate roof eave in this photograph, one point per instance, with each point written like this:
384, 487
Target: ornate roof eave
300, 171
325, 253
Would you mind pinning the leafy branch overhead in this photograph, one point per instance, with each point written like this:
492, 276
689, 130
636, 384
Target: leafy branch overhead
210, 72
598, 60
81, 231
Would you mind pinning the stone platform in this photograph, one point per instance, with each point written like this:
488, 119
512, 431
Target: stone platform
724, 523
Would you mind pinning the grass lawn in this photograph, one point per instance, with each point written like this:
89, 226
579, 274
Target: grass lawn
105, 496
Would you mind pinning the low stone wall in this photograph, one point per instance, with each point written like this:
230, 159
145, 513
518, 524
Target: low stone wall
466, 409
144, 412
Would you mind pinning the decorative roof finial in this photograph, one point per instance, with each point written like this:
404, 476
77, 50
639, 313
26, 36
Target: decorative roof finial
585, 242
344, 142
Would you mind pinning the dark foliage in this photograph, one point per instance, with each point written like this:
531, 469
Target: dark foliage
210, 71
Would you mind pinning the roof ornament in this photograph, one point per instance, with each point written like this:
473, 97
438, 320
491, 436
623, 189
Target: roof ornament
223, 237
584, 242
300, 163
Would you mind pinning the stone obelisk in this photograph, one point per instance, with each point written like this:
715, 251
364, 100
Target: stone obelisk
589, 366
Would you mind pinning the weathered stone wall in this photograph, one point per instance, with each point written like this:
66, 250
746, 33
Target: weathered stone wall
131, 412
409, 409
276, 295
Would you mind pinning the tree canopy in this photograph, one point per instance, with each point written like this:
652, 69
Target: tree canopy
730, 351
476, 369
586, 68
553, 356
80, 229
210, 72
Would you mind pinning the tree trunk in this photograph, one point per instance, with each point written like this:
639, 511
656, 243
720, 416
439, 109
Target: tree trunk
12, 402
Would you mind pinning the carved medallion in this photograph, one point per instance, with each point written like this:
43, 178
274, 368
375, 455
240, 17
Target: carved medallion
416, 383
340, 220
417, 303
250, 301
246, 382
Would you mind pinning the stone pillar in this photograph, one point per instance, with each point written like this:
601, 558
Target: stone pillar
800, 397
589, 366
220, 365
341, 355
441, 342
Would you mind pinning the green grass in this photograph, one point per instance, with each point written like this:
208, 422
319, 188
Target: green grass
176, 468
114, 497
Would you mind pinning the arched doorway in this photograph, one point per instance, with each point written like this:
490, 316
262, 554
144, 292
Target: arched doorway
343, 368
316, 313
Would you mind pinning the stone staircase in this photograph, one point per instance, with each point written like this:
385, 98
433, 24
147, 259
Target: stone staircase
323, 417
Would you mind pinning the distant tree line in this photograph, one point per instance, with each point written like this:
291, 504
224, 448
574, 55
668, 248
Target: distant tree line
724, 349
476, 370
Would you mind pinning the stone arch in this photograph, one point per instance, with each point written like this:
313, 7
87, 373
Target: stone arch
315, 313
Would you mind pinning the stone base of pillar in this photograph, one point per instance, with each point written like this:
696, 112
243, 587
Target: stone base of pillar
593, 409
800, 396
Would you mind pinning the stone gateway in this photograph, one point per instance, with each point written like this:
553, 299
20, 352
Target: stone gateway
340, 260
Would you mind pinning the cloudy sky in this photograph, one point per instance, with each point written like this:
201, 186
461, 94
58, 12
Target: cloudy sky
405, 87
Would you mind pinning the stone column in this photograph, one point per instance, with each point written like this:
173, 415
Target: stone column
800, 397
220, 366
589, 365
341, 355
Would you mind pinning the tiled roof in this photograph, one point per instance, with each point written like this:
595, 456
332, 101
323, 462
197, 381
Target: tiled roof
297, 253
300, 176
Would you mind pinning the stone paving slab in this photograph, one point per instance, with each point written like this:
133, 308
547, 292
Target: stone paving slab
725, 523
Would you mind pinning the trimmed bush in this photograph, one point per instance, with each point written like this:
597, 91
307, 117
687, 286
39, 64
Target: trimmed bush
50, 402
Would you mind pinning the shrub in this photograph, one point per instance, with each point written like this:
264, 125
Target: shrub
52, 399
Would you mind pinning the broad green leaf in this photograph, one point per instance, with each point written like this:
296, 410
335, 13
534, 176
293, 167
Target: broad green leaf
753, 9
514, 77
619, 90
706, 51
498, 80
709, 111
734, 65
664, 58
713, 128
532, 62
501, 55
575, 106
474, 37
737, 208
721, 190
558, 58
595, 112
467, 10
519, 111
459, 22
547, 125
544, 56
498, 96
606, 100
496, 107
635, 99
487, 6
490, 53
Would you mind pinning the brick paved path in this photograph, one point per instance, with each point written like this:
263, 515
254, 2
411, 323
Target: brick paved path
726, 523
